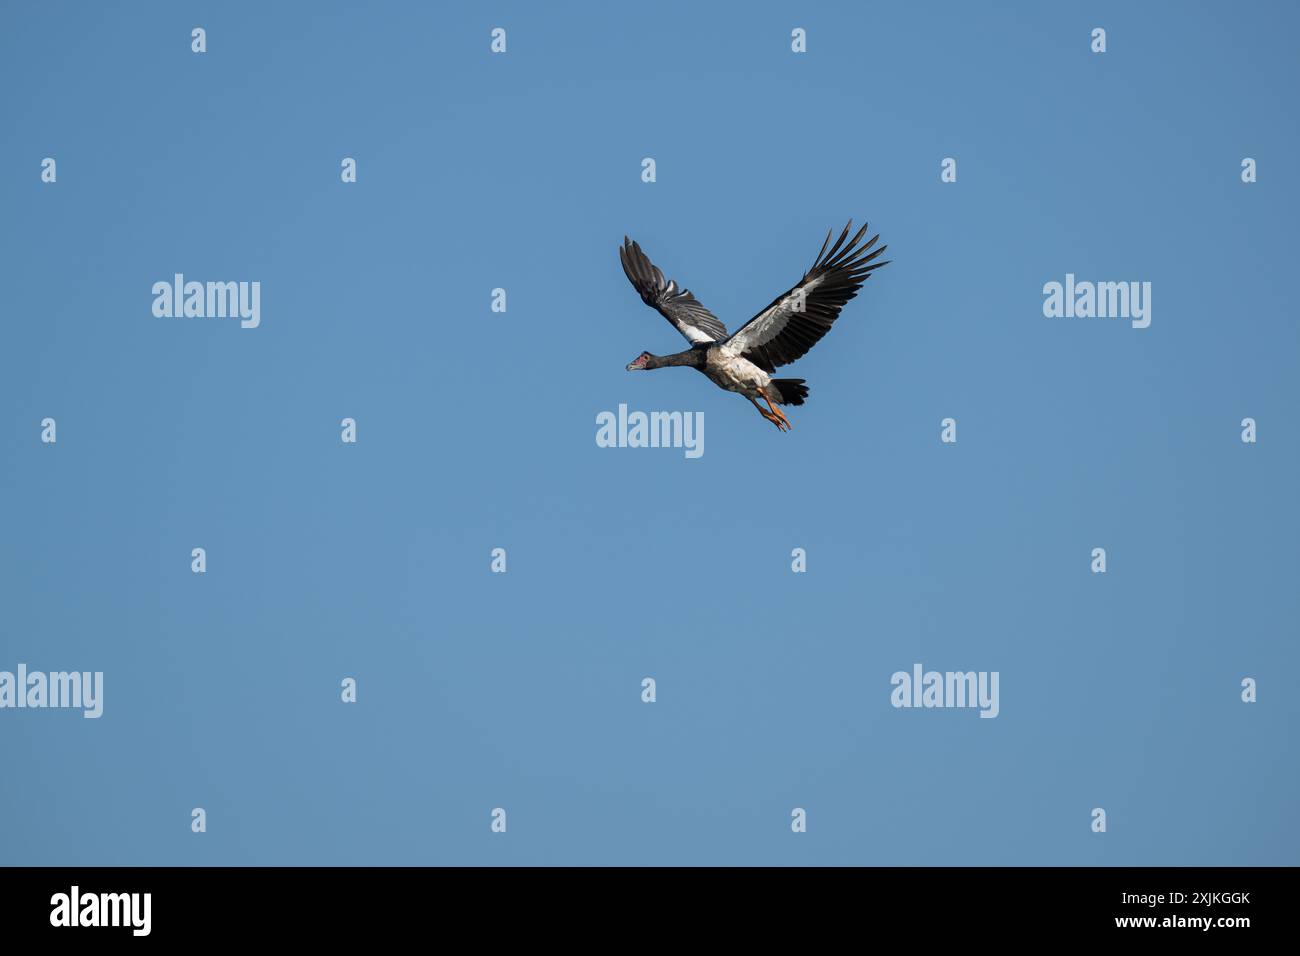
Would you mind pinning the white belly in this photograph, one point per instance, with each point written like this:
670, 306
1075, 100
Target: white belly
734, 373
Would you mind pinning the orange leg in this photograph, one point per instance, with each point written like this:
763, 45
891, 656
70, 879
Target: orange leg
776, 410
770, 417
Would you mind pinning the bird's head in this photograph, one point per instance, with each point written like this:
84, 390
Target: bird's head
640, 363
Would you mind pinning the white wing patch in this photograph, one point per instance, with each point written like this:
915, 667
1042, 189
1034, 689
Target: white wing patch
771, 322
694, 335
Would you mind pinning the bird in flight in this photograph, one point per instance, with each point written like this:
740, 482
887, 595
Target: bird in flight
783, 332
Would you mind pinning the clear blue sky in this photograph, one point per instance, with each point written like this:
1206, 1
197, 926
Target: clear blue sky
476, 430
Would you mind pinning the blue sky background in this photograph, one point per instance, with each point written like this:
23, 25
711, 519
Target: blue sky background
476, 430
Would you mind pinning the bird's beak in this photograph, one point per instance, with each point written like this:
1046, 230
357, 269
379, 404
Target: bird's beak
631, 367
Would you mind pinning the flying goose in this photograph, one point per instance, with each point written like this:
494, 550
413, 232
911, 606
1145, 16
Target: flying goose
780, 334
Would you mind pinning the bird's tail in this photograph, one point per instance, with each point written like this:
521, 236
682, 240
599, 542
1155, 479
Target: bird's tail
793, 390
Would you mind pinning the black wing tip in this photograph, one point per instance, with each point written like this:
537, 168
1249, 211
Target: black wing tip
852, 254
841, 250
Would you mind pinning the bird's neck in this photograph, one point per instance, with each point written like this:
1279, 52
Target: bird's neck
691, 357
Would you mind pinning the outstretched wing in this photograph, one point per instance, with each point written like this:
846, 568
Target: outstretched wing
797, 320
678, 306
